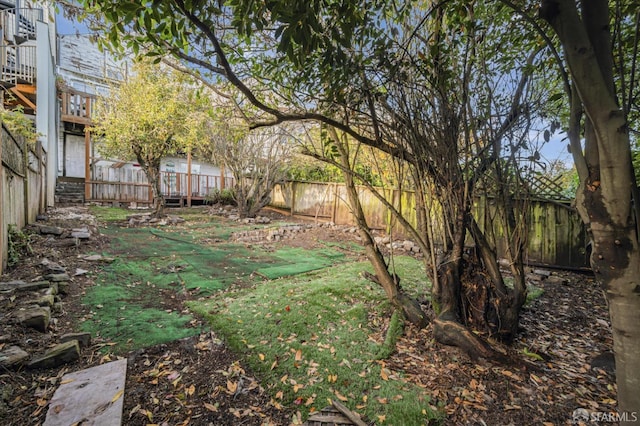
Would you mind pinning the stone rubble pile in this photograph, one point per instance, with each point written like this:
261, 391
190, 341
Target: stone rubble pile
147, 219
231, 213
275, 234
36, 304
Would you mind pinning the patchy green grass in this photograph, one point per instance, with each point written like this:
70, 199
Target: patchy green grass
308, 336
154, 264
110, 214
130, 313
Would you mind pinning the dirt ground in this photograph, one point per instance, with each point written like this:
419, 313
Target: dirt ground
186, 382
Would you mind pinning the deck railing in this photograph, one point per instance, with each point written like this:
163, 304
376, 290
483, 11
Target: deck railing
77, 106
18, 60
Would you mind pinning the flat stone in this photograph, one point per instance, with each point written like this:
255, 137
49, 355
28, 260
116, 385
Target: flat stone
13, 356
84, 339
542, 272
60, 354
23, 286
50, 230
45, 300
81, 235
555, 279
53, 289
80, 271
98, 258
63, 287
35, 317
57, 277
93, 396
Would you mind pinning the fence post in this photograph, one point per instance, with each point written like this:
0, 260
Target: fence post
25, 165
335, 203
293, 197
87, 161
3, 234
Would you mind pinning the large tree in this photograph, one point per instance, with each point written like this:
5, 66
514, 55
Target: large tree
600, 95
151, 115
415, 84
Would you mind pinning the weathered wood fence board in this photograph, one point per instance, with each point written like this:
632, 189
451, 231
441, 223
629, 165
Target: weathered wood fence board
555, 233
22, 186
126, 184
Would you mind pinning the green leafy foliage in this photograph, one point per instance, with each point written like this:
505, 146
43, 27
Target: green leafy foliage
19, 124
19, 245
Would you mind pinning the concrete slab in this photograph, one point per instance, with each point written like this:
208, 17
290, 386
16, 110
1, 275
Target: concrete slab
90, 397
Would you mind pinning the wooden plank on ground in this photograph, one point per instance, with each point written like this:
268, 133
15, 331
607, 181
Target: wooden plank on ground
93, 396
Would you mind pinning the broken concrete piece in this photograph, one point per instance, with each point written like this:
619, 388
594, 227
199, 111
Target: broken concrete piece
60, 354
84, 339
37, 317
93, 396
50, 230
98, 258
13, 356
80, 271
542, 272
45, 300
81, 235
57, 277
23, 286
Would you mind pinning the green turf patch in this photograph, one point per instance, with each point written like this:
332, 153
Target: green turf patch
308, 336
131, 316
153, 264
297, 261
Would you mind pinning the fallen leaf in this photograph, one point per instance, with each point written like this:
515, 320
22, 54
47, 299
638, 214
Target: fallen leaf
232, 386
211, 407
382, 418
340, 396
190, 390
298, 355
384, 374
117, 395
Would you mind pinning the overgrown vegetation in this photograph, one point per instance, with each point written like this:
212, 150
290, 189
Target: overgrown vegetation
19, 245
226, 197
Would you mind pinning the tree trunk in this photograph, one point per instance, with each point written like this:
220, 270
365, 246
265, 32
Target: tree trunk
151, 169
604, 200
390, 283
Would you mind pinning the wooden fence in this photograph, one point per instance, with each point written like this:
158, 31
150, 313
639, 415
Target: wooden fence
22, 186
130, 185
556, 235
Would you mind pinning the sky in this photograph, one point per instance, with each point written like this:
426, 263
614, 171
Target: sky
66, 26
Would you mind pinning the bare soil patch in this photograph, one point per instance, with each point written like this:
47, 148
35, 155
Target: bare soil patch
199, 381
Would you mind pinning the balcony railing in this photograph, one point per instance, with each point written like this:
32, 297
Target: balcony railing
77, 106
17, 59
18, 64
19, 25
